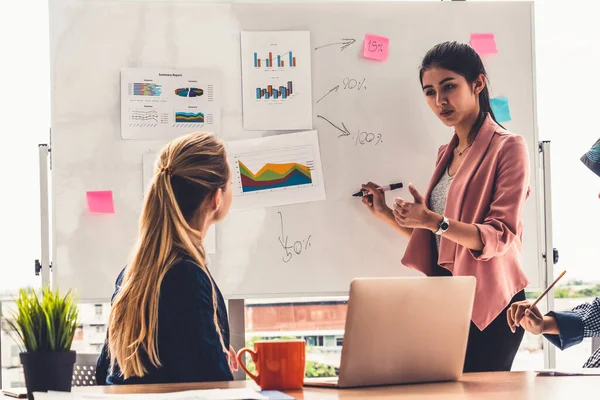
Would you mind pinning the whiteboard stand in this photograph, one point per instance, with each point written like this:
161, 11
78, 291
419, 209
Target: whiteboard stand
43, 266
237, 330
1, 346
550, 254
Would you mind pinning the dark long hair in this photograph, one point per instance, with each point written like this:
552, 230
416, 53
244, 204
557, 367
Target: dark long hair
461, 59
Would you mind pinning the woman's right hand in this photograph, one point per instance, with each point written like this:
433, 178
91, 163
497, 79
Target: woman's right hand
521, 314
376, 202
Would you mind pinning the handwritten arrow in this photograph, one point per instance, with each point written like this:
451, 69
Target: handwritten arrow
335, 89
345, 131
344, 44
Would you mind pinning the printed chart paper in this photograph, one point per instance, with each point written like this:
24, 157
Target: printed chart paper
167, 103
148, 165
276, 170
276, 78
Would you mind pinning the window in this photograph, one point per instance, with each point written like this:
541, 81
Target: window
320, 321
561, 56
329, 341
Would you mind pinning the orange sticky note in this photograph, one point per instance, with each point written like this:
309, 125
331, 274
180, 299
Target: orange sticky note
376, 47
100, 202
484, 43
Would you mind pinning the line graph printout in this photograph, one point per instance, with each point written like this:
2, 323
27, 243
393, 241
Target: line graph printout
167, 103
276, 80
276, 170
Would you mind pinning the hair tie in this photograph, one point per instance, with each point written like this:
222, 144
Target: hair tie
168, 170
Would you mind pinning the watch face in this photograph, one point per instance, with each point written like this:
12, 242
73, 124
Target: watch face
444, 226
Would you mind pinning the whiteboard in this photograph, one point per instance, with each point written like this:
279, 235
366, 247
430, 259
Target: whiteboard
91, 41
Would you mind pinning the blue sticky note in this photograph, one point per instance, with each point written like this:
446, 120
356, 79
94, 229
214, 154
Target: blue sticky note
501, 109
276, 395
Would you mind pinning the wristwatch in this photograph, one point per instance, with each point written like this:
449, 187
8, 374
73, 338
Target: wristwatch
443, 227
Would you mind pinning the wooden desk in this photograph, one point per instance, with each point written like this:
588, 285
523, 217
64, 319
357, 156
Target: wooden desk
497, 385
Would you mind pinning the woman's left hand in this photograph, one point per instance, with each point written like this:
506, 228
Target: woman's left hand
415, 214
232, 359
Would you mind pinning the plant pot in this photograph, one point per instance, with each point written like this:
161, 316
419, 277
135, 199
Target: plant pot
48, 371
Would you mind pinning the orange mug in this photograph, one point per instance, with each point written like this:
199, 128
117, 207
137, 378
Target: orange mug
280, 364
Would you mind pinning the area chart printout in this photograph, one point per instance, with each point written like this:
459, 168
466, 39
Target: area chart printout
148, 172
276, 170
276, 79
167, 103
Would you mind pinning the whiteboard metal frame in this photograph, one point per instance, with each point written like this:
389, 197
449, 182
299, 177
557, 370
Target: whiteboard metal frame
44, 153
237, 330
0, 347
69, 183
548, 277
538, 163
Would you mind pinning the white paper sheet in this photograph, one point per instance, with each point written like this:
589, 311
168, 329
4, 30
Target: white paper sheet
167, 103
276, 78
276, 170
569, 372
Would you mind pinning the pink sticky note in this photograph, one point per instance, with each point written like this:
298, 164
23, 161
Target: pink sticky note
101, 202
376, 47
484, 43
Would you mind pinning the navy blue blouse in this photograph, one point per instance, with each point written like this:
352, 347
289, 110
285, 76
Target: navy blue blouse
188, 343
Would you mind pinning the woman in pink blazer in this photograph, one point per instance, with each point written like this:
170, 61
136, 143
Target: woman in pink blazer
469, 220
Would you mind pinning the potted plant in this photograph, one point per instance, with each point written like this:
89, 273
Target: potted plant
44, 327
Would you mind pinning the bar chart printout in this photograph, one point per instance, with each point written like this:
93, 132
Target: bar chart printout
276, 80
277, 61
270, 92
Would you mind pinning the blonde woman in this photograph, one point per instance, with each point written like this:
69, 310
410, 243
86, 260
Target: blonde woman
168, 321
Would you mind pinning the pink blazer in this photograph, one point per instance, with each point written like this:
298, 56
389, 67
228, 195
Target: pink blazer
488, 190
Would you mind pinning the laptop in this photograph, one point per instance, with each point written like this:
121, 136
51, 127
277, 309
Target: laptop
404, 330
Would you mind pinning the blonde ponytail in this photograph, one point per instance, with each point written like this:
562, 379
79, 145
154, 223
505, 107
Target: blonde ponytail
189, 170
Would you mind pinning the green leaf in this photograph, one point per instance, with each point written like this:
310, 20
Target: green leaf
44, 323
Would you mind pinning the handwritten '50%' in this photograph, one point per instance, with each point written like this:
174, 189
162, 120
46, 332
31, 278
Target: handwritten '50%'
291, 247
